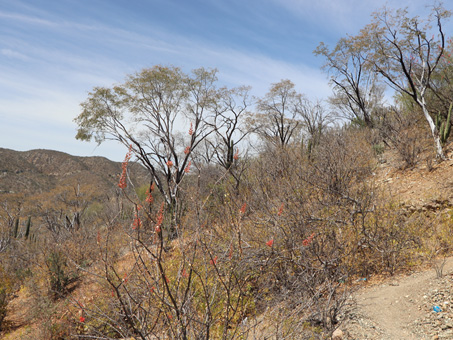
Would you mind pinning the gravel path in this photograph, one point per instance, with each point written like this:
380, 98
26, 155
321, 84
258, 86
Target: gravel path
402, 308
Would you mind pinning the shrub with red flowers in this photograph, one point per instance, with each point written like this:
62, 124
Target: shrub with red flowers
123, 178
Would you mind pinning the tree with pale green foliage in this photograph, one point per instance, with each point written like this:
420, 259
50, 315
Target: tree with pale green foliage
406, 52
358, 93
278, 113
146, 113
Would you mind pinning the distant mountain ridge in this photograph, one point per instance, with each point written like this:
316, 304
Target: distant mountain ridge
40, 170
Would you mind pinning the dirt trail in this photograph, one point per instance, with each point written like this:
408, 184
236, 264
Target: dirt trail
398, 308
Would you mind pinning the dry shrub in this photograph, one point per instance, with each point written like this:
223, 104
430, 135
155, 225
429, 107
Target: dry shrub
342, 162
275, 257
405, 133
196, 286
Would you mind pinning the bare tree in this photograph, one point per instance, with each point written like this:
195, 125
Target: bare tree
278, 112
315, 120
402, 51
231, 129
356, 87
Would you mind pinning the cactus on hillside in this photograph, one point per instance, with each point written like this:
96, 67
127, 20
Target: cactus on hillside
444, 126
16, 228
27, 228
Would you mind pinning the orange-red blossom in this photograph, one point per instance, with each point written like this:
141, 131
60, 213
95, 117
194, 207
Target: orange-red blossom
123, 179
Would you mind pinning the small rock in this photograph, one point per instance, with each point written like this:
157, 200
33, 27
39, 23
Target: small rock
337, 334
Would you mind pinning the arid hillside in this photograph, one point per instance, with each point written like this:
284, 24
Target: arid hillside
293, 252
39, 171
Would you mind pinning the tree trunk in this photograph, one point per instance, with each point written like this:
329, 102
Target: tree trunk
434, 131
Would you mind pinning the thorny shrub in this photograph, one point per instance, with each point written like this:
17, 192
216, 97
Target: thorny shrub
403, 132
276, 257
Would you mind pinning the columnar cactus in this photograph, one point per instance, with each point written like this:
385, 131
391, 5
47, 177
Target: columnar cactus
444, 126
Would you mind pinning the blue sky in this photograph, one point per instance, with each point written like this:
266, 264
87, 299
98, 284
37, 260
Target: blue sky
52, 53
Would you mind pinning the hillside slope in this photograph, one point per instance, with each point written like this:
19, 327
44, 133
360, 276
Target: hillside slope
426, 186
39, 171
401, 307
385, 309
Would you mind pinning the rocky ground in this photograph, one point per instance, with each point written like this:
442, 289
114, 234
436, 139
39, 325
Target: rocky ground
403, 308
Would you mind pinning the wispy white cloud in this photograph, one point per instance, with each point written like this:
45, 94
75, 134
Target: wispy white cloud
345, 16
62, 78
26, 19
44, 80
14, 54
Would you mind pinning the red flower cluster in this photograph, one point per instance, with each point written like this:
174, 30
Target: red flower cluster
280, 211
123, 179
213, 261
149, 197
187, 169
308, 240
270, 242
236, 155
191, 130
187, 150
169, 163
242, 210
137, 222
160, 217
82, 319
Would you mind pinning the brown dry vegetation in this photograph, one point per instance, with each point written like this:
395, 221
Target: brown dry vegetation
276, 258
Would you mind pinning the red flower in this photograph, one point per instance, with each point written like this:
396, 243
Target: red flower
187, 169
242, 210
160, 217
236, 155
308, 240
187, 150
137, 222
270, 242
123, 179
213, 261
169, 163
149, 197
280, 211
184, 273
191, 130
82, 319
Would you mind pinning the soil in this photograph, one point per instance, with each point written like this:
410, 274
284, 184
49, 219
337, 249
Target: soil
403, 308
